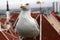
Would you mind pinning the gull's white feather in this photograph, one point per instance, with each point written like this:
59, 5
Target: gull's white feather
26, 25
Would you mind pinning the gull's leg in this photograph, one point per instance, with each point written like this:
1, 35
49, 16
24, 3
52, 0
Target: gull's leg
35, 38
21, 38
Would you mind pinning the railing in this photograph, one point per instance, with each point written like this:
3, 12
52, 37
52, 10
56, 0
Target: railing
54, 22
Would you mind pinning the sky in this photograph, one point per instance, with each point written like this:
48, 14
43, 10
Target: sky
15, 4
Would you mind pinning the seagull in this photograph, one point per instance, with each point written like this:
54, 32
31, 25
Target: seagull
26, 25
5, 26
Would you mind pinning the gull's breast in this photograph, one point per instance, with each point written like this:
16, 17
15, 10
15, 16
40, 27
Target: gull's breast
27, 27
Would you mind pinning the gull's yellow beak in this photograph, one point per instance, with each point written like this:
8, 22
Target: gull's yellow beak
22, 6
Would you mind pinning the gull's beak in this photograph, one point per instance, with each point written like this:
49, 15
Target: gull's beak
22, 6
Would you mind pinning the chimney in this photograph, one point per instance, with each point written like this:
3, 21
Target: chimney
7, 12
55, 7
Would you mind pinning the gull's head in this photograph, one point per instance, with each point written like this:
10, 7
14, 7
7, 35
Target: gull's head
25, 6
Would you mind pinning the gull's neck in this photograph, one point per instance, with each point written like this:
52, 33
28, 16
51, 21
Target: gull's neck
25, 13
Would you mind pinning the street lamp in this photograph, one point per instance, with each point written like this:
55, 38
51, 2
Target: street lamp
38, 2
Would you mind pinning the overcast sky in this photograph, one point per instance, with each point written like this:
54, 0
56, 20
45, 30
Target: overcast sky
16, 3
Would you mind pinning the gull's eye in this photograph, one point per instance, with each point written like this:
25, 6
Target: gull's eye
27, 4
